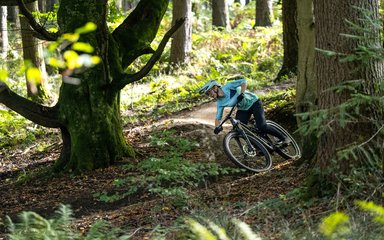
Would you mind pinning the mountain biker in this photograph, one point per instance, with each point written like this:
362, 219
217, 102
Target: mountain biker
232, 93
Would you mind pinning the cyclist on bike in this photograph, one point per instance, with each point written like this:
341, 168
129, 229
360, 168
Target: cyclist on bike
232, 93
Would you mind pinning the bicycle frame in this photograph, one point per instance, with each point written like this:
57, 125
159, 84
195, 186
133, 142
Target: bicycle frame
245, 131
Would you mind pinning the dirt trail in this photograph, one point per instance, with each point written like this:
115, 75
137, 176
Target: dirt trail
205, 113
144, 212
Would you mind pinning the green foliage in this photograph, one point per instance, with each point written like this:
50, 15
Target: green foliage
254, 53
33, 226
48, 19
15, 129
335, 226
208, 230
170, 175
339, 225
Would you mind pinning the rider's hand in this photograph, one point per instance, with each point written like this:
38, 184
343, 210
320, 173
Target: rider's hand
218, 129
240, 97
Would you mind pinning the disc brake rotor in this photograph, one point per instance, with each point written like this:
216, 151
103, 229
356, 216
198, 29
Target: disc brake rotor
248, 151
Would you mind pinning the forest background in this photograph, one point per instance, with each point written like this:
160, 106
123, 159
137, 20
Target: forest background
334, 104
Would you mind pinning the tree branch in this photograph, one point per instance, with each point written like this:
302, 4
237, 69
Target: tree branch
13, 2
40, 32
138, 30
120, 83
39, 114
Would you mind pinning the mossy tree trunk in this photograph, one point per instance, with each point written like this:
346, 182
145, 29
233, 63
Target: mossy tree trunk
88, 113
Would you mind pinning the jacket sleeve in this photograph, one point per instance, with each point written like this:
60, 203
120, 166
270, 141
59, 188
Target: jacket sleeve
219, 113
236, 83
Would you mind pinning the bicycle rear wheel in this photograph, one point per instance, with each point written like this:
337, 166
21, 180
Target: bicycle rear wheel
289, 150
237, 149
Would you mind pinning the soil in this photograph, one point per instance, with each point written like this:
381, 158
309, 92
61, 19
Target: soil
26, 186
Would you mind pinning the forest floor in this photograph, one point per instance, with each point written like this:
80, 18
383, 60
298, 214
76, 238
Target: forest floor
25, 187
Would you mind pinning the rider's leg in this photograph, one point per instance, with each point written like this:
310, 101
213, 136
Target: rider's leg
243, 116
259, 115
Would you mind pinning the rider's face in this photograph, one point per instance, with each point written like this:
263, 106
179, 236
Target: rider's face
213, 92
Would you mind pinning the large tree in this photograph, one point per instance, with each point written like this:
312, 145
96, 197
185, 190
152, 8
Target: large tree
331, 31
88, 113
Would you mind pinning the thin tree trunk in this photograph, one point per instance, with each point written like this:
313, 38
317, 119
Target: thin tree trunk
4, 31
264, 13
306, 87
50, 5
119, 4
290, 40
33, 51
220, 15
182, 40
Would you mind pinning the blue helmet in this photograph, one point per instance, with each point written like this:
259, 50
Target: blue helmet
208, 85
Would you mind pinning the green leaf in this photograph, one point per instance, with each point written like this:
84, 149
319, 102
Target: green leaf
335, 225
34, 75
84, 47
3, 74
54, 62
89, 27
327, 53
71, 58
73, 37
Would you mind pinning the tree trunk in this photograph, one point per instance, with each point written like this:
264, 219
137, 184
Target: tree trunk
119, 4
306, 87
93, 130
13, 13
264, 13
33, 51
220, 15
4, 32
128, 4
182, 41
330, 19
88, 113
50, 5
290, 40
42, 5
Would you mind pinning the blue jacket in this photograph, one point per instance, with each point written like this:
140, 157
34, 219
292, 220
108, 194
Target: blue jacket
231, 91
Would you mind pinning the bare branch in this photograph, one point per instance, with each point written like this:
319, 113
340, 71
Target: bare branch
39, 114
40, 31
119, 84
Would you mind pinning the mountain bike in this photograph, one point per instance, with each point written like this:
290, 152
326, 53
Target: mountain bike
251, 149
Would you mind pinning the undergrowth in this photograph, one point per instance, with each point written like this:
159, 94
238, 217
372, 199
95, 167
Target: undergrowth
167, 173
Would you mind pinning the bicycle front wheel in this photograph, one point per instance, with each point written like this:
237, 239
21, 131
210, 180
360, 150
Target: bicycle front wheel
290, 150
238, 151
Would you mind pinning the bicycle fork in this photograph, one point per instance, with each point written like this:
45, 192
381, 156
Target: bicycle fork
235, 123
